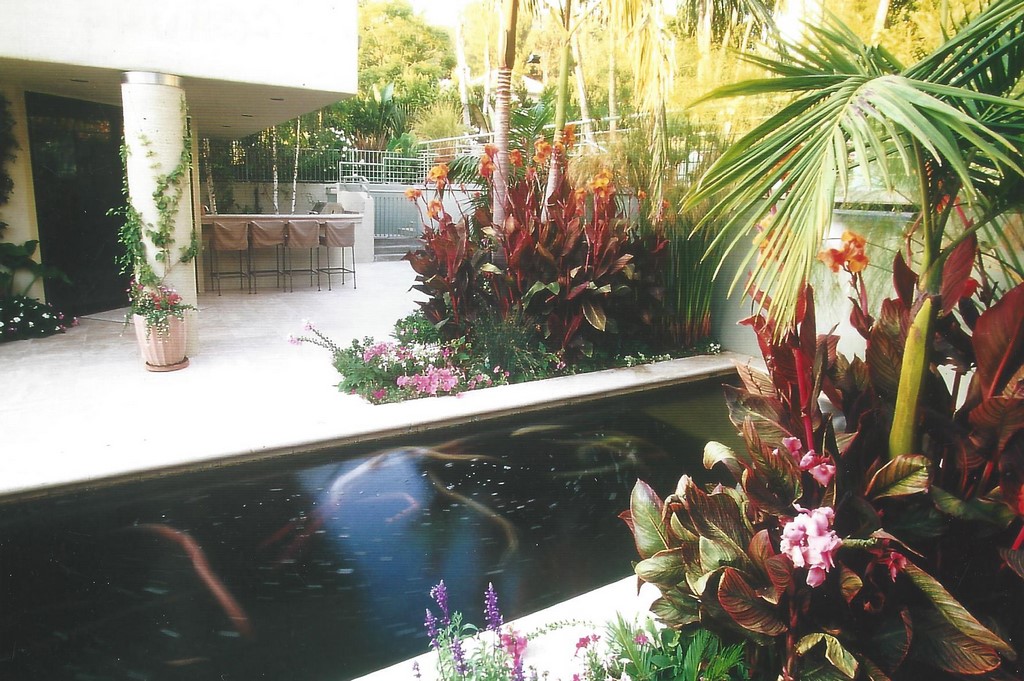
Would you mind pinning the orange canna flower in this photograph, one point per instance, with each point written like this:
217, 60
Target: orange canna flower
438, 174
486, 166
542, 152
641, 194
559, 149
851, 257
832, 258
601, 185
491, 150
569, 136
413, 194
435, 209
515, 157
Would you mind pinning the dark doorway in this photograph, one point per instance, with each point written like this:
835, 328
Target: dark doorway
76, 167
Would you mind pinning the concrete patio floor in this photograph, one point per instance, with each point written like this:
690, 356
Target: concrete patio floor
81, 406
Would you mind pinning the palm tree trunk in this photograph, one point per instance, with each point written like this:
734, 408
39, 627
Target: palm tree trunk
463, 70
581, 90
613, 101
880, 16
561, 103
507, 55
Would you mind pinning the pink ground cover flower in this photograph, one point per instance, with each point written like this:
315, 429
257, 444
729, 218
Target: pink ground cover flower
809, 542
430, 381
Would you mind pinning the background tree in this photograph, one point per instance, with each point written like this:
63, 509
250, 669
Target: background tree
397, 46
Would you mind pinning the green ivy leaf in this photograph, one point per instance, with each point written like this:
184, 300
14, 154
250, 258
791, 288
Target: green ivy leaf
954, 613
905, 474
743, 604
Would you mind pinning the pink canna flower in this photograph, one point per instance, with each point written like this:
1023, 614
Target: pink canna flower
821, 467
810, 542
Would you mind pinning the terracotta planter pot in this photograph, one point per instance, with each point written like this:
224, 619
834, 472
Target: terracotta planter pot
162, 351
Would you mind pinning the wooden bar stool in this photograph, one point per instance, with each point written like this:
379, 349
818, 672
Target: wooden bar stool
340, 234
302, 234
225, 238
264, 235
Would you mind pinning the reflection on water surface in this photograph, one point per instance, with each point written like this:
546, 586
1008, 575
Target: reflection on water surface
319, 566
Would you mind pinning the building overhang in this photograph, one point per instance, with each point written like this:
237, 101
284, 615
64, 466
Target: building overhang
219, 109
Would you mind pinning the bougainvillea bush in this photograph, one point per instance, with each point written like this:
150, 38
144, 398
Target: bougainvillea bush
405, 368
831, 552
567, 261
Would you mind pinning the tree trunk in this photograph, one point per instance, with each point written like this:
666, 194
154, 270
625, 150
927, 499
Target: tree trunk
274, 184
561, 104
705, 26
463, 70
507, 55
211, 193
880, 16
295, 167
581, 91
613, 100
488, 110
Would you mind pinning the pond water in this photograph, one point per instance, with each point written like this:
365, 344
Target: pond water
318, 566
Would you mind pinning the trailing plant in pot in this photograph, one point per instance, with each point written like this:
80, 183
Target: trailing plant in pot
156, 309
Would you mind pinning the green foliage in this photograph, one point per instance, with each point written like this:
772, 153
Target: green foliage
439, 120
416, 328
7, 146
949, 121
652, 653
576, 268
512, 344
21, 316
167, 197
156, 304
396, 46
912, 583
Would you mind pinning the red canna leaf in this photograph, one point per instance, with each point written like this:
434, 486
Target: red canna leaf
748, 609
999, 341
956, 274
904, 280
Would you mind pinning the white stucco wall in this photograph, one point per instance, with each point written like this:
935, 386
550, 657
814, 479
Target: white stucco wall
233, 41
20, 211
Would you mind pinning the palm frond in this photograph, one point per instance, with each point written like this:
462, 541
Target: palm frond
852, 107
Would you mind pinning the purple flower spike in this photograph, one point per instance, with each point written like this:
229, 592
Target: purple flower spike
459, 657
431, 624
440, 594
491, 612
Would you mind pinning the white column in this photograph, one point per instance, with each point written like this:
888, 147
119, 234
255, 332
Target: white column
155, 134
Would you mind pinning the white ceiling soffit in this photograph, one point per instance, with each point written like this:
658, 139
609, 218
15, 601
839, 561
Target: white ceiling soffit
219, 109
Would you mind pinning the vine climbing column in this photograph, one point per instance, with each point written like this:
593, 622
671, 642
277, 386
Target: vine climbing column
158, 158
